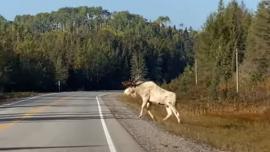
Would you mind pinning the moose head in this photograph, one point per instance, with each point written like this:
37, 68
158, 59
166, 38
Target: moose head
132, 82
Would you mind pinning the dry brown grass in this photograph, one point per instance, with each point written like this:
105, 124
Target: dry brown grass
241, 127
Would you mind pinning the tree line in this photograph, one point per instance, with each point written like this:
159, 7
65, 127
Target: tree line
89, 48
229, 29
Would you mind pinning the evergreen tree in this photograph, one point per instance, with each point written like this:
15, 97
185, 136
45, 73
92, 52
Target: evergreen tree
223, 33
257, 64
138, 69
89, 48
4, 68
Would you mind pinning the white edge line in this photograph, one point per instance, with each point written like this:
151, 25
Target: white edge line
106, 131
34, 97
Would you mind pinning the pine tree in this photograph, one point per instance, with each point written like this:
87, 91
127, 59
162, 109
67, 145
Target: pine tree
138, 68
224, 31
257, 64
220, 5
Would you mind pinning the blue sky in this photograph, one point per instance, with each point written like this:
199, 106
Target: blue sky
188, 12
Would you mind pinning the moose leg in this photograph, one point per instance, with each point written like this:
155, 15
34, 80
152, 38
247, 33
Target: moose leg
148, 110
143, 105
175, 112
169, 113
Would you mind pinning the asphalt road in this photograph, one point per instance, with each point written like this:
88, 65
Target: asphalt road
69, 122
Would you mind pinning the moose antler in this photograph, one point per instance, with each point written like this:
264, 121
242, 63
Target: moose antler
128, 83
132, 82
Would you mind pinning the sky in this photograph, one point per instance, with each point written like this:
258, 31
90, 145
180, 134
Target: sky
187, 12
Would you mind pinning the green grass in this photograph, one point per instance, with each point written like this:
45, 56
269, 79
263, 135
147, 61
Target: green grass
234, 127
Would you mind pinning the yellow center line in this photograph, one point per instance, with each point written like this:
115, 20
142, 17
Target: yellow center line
31, 113
7, 125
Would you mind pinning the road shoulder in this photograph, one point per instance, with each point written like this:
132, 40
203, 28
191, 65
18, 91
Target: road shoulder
11, 98
147, 134
119, 139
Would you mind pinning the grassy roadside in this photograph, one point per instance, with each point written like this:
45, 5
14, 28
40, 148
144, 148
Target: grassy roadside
10, 96
233, 127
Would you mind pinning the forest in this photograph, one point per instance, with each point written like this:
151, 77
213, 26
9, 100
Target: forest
90, 48
231, 56
220, 72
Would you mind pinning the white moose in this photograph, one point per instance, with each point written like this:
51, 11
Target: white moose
152, 93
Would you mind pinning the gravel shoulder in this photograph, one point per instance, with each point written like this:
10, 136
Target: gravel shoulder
14, 97
150, 136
